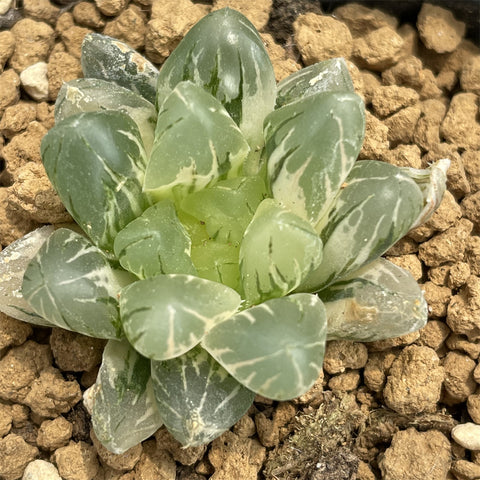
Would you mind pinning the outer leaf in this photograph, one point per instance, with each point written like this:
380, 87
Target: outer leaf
121, 402
378, 301
374, 210
197, 399
71, 284
155, 243
233, 65
96, 161
226, 208
278, 251
196, 143
165, 316
112, 60
328, 76
14, 260
92, 95
276, 348
311, 146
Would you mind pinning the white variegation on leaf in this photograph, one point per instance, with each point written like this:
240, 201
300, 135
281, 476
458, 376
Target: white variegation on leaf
279, 249
196, 144
14, 260
328, 76
70, 283
155, 243
375, 208
311, 146
121, 402
96, 163
92, 95
198, 400
377, 302
110, 59
275, 348
233, 65
165, 316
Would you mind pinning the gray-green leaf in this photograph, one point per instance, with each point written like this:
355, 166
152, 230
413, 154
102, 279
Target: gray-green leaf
278, 251
71, 284
167, 315
375, 209
96, 162
197, 399
155, 243
112, 60
196, 144
311, 146
122, 402
376, 302
275, 348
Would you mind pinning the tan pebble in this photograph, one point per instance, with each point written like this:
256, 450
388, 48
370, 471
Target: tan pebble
9, 89
434, 334
428, 454
470, 76
459, 382
476, 373
320, 37
410, 39
179, 453
472, 254
35, 82
77, 461
473, 407
471, 208
5, 419
459, 274
64, 22
375, 145
257, 12
389, 343
123, 462
410, 263
343, 354
87, 15
438, 28
364, 472
427, 130
402, 124
13, 332
404, 156
267, 431
314, 396
7, 47
404, 246
245, 427
62, 67
460, 343
439, 275
111, 8
41, 10
414, 382
54, 434
465, 470
155, 463
467, 435
370, 82
446, 215
437, 299
389, 99
471, 163
376, 369
15, 455
129, 27
73, 39
345, 382
283, 66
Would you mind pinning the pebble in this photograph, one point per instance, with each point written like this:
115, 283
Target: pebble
467, 435
5, 6
41, 470
35, 82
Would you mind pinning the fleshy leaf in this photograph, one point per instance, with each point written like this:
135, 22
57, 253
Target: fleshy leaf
92, 95
14, 260
311, 146
197, 399
96, 162
278, 251
165, 316
155, 243
71, 284
374, 210
276, 348
376, 302
432, 182
196, 143
233, 65
227, 207
328, 76
112, 60
121, 402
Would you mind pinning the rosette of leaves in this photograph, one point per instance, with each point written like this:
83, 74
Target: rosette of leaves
227, 230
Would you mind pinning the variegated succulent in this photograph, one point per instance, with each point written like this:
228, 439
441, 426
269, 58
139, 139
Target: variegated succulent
227, 230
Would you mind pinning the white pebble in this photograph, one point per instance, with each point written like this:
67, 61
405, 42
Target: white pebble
35, 82
41, 470
5, 6
467, 435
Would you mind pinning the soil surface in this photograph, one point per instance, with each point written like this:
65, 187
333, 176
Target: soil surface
400, 409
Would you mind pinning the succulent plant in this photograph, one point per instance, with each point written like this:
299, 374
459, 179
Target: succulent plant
227, 230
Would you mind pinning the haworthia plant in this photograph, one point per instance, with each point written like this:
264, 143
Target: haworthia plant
228, 230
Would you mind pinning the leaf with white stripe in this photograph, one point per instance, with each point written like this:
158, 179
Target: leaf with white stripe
112, 60
311, 146
275, 348
197, 399
155, 243
93, 94
376, 302
71, 284
121, 402
14, 260
196, 144
278, 251
233, 65
96, 163
165, 316
328, 76
375, 209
